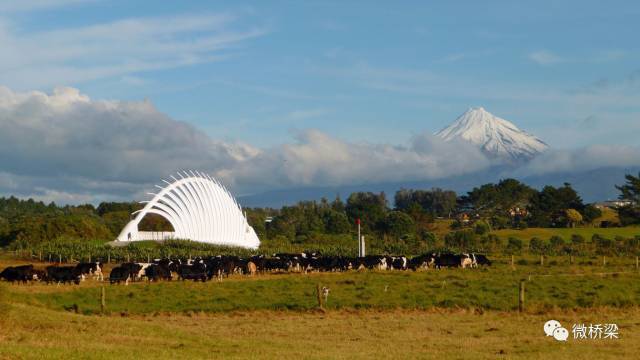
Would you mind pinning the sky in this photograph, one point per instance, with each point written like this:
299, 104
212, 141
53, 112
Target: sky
98, 98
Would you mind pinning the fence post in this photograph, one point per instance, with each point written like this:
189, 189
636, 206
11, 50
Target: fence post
59, 258
319, 296
637, 263
512, 262
128, 257
604, 260
103, 302
541, 260
521, 297
40, 255
571, 260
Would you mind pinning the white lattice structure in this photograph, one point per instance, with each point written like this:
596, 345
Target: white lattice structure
199, 208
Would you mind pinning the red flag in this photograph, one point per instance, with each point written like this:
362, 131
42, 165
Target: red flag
357, 221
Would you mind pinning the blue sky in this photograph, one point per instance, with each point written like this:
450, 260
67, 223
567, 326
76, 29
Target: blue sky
99, 98
355, 70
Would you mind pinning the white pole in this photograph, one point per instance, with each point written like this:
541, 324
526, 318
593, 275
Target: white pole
359, 241
363, 247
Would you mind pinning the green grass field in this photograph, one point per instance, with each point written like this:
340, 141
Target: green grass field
565, 233
454, 313
28, 332
494, 289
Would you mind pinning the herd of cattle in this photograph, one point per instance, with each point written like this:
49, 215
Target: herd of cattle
204, 269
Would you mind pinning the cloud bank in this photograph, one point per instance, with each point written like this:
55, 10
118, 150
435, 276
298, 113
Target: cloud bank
69, 148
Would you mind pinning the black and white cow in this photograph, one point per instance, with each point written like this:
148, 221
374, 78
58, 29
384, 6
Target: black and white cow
135, 270
399, 263
91, 269
422, 262
480, 260
374, 262
155, 272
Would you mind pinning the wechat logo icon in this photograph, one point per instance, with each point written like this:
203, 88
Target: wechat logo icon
555, 329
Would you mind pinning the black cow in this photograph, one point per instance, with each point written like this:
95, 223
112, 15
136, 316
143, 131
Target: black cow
21, 273
119, 274
63, 274
193, 272
448, 260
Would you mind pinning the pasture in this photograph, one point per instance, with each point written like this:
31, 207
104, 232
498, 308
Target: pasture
451, 313
566, 233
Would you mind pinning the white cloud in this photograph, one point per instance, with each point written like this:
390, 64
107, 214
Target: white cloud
67, 147
583, 159
116, 49
545, 57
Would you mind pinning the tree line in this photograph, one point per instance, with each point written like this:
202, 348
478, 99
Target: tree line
407, 224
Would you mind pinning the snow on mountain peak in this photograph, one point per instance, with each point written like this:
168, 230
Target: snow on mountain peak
497, 137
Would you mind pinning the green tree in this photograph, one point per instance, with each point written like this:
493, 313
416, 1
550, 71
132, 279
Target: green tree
435, 202
630, 191
573, 217
398, 224
370, 208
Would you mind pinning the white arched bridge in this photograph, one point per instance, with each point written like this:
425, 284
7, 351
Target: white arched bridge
198, 208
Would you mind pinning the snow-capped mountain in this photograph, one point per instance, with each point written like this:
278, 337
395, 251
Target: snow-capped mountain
497, 137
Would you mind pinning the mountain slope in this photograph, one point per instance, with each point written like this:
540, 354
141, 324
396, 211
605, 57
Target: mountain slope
497, 137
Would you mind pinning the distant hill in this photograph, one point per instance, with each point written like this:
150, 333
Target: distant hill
593, 185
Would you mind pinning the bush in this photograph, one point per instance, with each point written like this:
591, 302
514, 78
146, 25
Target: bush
577, 239
537, 246
482, 228
490, 243
556, 244
500, 222
461, 240
514, 246
603, 245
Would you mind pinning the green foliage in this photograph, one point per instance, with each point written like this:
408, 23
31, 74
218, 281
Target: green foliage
482, 228
629, 215
603, 246
499, 222
499, 198
398, 224
514, 246
436, 202
590, 213
370, 208
548, 208
537, 246
463, 240
573, 217
630, 191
